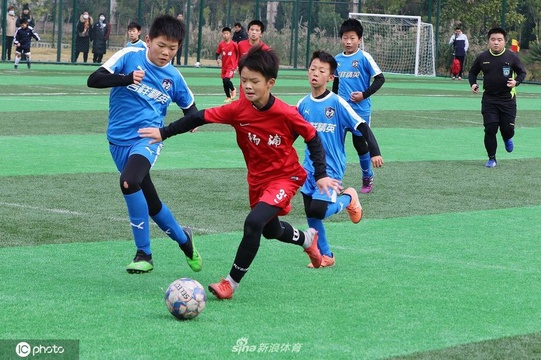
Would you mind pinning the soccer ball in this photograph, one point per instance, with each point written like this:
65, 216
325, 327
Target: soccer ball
197, 64
185, 298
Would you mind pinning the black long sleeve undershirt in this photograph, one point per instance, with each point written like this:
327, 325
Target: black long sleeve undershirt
368, 135
188, 122
317, 155
378, 82
102, 78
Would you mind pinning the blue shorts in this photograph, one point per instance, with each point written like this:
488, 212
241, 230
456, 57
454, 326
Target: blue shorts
310, 189
142, 147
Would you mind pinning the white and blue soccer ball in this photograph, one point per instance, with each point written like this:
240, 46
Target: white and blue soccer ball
197, 64
185, 298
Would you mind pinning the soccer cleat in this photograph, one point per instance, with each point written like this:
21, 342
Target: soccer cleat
141, 264
312, 250
460, 78
233, 94
509, 146
326, 261
228, 100
453, 78
222, 290
196, 262
368, 184
491, 163
354, 209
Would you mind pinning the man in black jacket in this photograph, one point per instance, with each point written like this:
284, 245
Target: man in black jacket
240, 33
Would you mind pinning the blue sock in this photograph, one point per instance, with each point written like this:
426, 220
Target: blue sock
138, 213
341, 203
322, 243
366, 165
166, 221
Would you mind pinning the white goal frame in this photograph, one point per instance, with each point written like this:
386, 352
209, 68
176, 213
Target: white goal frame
421, 63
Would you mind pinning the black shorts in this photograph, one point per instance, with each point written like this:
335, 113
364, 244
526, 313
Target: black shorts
498, 111
22, 50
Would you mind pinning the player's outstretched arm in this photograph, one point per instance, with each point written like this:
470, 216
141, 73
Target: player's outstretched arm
180, 126
102, 78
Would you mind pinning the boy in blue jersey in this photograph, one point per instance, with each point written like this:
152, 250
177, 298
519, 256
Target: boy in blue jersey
332, 117
144, 83
134, 33
352, 82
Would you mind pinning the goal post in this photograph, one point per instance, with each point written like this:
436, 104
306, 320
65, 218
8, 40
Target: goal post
399, 44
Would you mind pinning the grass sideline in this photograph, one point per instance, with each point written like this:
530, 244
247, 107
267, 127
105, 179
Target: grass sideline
444, 265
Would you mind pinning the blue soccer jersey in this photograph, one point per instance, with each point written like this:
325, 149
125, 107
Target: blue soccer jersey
331, 116
144, 105
355, 72
138, 44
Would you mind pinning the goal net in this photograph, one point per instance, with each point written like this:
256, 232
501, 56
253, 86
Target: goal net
399, 44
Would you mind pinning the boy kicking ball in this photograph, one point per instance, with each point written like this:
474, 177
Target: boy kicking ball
266, 129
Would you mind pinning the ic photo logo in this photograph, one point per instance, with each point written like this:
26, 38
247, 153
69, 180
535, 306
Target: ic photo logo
23, 349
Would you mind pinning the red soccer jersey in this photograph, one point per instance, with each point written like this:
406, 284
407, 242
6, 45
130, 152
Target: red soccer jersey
229, 54
265, 138
245, 45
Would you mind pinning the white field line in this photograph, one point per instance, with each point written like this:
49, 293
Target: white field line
82, 214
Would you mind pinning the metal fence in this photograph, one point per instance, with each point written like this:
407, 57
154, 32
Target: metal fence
294, 27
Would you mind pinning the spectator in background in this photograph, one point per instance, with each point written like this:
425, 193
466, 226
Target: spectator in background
459, 40
11, 21
100, 35
240, 33
180, 18
26, 16
84, 31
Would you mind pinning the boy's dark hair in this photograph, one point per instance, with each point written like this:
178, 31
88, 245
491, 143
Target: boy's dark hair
352, 25
227, 28
257, 23
265, 62
134, 25
23, 21
326, 58
237, 24
497, 30
168, 26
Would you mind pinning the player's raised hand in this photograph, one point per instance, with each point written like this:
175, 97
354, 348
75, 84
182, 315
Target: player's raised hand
138, 76
153, 133
326, 183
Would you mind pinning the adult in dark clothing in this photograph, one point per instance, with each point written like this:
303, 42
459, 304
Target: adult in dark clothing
26, 15
460, 44
502, 73
100, 35
240, 33
84, 32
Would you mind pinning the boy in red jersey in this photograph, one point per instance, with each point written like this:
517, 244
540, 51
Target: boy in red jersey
266, 129
226, 57
255, 32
